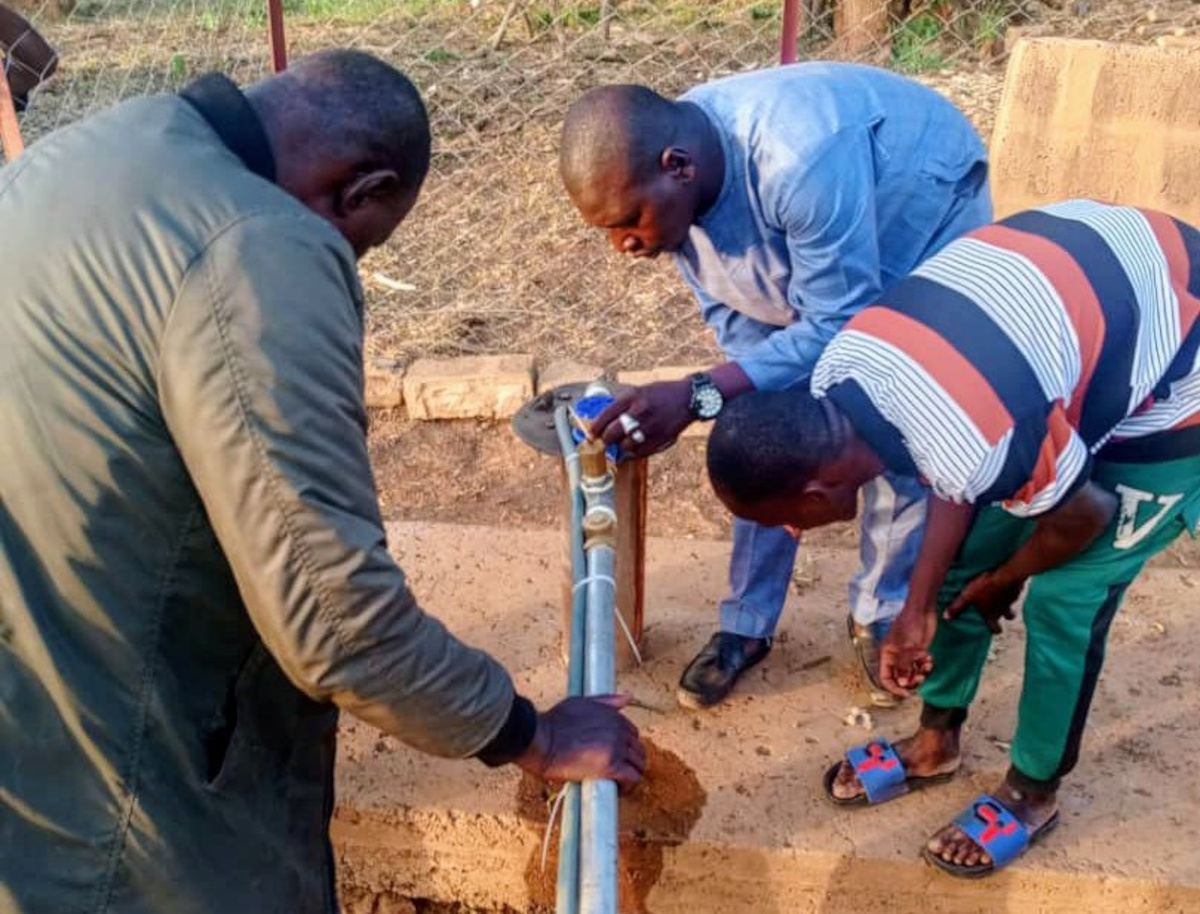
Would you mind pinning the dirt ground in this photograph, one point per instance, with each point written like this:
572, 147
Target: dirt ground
764, 840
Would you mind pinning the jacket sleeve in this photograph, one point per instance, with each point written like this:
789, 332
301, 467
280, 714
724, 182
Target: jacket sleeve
261, 384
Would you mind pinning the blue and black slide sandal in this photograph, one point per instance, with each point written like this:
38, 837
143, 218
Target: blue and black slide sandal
992, 826
881, 773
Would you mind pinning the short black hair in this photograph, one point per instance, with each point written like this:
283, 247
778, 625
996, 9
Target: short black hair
618, 127
362, 108
767, 444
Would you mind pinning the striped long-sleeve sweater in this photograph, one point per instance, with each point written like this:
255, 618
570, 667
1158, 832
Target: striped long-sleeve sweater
1003, 365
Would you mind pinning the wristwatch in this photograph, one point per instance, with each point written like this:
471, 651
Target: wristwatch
707, 401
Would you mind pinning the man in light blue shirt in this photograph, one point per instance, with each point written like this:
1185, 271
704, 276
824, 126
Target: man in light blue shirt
790, 199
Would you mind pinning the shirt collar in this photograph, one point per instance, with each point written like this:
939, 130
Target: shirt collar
222, 104
879, 434
711, 216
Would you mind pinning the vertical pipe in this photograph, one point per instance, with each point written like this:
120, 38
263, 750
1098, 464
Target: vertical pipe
599, 665
576, 635
567, 891
598, 833
598, 849
10, 130
598, 826
278, 40
790, 31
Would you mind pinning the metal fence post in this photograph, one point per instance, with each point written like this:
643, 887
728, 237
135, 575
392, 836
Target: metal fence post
10, 130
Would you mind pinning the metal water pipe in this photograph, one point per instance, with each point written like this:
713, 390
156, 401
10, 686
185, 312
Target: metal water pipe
567, 892
598, 832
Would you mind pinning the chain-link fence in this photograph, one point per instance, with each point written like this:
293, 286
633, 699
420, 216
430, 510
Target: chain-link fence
493, 258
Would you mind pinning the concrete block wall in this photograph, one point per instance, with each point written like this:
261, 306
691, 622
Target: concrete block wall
489, 387
1116, 122
484, 386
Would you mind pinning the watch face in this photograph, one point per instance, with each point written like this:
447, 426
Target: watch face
709, 402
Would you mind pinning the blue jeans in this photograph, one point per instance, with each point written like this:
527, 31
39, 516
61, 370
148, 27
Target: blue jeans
893, 516
893, 519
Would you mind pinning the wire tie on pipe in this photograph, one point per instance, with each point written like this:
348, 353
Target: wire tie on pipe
637, 655
606, 510
555, 811
596, 485
603, 578
620, 619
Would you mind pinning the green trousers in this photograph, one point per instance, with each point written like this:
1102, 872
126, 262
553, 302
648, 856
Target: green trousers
1068, 611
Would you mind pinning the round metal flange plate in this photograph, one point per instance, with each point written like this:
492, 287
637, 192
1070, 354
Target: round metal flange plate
534, 422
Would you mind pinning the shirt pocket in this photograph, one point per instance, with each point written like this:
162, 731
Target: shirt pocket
232, 748
955, 163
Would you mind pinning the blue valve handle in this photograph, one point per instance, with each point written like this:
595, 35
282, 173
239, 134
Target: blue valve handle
583, 412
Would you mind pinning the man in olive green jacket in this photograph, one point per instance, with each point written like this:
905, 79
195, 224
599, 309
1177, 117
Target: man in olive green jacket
193, 572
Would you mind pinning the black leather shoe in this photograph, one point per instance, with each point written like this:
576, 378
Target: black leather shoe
710, 677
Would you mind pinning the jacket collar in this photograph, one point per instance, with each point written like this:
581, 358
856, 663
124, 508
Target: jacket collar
227, 111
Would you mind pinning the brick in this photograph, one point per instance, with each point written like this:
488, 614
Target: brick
1015, 33
563, 372
385, 383
1091, 119
394, 904
486, 386
669, 373
1183, 42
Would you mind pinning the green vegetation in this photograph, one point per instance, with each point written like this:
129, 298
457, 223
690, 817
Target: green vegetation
991, 22
915, 44
359, 10
440, 55
766, 12
536, 15
179, 70
215, 16
575, 16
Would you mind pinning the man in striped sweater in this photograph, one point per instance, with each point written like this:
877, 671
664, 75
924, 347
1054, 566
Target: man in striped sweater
1042, 375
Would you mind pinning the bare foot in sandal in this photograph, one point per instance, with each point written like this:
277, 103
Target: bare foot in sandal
1033, 810
927, 753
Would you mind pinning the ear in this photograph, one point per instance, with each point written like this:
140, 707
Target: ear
830, 499
815, 495
679, 164
823, 495
365, 189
